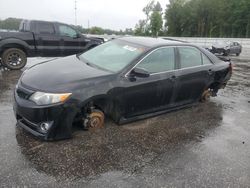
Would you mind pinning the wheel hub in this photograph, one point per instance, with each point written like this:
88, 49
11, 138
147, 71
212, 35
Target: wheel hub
95, 120
206, 95
14, 59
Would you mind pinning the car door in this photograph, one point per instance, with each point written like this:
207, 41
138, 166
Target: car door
71, 41
193, 76
145, 95
232, 47
47, 41
237, 49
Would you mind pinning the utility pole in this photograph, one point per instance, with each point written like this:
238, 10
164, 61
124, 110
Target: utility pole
88, 26
75, 14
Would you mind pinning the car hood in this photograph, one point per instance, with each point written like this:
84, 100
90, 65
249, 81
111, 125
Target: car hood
220, 45
61, 75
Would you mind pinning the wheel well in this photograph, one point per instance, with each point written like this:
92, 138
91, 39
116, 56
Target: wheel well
104, 104
100, 104
214, 85
13, 45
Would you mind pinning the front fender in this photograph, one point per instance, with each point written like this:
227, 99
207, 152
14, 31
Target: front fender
16, 43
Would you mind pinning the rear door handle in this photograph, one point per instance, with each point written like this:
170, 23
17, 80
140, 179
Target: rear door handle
173, 78
210, 71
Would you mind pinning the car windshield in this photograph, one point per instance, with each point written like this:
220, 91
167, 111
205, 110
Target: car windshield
112, 56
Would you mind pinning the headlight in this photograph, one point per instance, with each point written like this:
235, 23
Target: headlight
41, 98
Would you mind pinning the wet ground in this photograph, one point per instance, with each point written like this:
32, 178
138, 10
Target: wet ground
207, 145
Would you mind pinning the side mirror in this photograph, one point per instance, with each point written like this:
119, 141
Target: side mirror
78, 35
140, 72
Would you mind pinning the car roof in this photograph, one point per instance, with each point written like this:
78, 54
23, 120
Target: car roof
44, 21
150, 42
158, 42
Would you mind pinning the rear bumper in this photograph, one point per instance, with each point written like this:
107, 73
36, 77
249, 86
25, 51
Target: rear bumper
225, 80
30, 117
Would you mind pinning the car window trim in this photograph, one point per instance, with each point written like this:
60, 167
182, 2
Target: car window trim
180, 69
42, 22
162, 47
203, 54
192, 47
176, 60
194, 67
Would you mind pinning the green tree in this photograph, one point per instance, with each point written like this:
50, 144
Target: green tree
174, 17
147, 11
10, 23
208, 18
152, 24
156, 20
140, 28
157, 7
96, 30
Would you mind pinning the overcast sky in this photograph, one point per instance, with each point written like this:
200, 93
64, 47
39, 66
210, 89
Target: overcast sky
113, 14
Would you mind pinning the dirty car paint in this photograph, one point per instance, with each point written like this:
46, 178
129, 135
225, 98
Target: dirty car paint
122, 95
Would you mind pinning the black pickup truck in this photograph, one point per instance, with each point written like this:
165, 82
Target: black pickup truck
41, 38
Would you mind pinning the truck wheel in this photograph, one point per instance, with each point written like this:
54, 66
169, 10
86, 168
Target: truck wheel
237, 54
14, 58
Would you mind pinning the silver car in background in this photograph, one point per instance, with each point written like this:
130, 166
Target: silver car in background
226, 48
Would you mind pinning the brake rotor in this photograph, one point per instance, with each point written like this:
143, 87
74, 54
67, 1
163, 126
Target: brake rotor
206, 95
95, 120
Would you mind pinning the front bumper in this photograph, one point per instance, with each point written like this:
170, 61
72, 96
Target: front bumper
218, 50
30, 116
31, 127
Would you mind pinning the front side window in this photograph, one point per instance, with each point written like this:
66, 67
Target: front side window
113, 55
67, 31
160, 60
189, 57
236, 44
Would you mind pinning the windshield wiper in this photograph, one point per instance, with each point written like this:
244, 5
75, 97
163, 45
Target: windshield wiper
92, 64
89, 64
85, 61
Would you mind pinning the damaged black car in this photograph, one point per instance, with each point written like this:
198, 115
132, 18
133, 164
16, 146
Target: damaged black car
126, 79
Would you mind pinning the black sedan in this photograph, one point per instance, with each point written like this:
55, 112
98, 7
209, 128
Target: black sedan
126, 79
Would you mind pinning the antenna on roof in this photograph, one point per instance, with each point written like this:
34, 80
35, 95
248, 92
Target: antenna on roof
75, 14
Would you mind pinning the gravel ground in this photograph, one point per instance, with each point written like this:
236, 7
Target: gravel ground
207, 145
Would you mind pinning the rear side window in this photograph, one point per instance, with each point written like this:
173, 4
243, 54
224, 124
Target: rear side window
45, 28
206, 61
160, 60
189, 57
